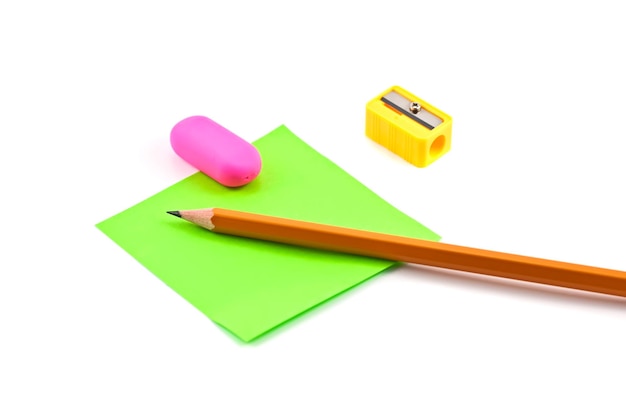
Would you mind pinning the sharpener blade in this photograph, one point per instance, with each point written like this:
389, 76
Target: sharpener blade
404, 105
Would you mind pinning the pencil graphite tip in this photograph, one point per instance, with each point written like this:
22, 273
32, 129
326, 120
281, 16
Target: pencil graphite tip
174, 213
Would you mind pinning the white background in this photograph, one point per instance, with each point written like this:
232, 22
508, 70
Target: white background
89, 92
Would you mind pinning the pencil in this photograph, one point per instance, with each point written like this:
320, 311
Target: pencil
406, 249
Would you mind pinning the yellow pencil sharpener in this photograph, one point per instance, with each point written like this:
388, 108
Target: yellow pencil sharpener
408, 126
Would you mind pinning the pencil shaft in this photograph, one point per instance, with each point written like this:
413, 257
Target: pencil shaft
418, 251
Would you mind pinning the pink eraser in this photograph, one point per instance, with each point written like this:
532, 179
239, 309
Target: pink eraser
216, 151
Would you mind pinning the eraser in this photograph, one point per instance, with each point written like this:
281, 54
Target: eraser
215, 151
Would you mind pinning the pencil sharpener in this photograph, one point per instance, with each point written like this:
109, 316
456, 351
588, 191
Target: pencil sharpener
408, 126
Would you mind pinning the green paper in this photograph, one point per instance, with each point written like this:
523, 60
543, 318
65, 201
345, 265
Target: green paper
248, 286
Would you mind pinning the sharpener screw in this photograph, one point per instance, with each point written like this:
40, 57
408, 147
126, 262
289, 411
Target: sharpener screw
415, 108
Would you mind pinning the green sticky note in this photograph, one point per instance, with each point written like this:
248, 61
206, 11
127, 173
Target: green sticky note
248, 286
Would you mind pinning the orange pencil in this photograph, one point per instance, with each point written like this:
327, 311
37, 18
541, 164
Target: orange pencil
405, 249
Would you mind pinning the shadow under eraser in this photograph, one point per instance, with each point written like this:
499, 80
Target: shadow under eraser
215, 151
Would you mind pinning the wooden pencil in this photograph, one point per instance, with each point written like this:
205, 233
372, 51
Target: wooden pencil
410, 250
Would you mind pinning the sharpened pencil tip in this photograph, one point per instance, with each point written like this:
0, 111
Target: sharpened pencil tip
174, 213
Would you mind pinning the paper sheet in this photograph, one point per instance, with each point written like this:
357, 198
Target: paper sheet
247, 286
